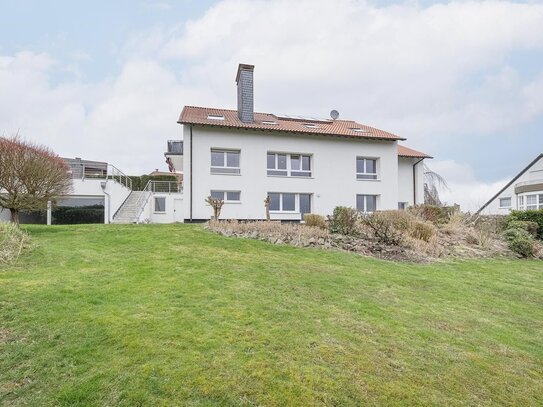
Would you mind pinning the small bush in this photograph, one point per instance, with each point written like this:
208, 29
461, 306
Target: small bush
315, 220
530, 216
12, 241
432, 213
343, 220
520, 241
381, 226
422, 231
528, 226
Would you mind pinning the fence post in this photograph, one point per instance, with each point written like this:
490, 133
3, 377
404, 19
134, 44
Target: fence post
49, 213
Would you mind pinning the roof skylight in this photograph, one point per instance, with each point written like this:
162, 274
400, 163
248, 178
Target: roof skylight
214, 117
269, 122
359, 130
311, 125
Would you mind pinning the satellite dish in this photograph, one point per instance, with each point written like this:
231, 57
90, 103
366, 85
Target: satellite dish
334, 114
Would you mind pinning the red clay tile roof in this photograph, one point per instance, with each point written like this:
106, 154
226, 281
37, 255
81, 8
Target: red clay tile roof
341, 128
408, 152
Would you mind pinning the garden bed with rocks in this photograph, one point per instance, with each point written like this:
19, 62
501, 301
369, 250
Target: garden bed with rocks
412, 236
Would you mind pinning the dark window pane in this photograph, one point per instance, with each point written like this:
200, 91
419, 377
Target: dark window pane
371, 166
217, 194
541, 199
306, 163
271, 160
281, 161
359, 165
217, 159
232, 159
232, 195
289, 202
360, 203
305, 203
160, 204
274, 202
371, 203
274, 172
294, 162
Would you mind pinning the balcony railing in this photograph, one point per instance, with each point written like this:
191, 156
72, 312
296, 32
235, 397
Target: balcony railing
81, 171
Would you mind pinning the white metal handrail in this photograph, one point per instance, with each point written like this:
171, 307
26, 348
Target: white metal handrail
82, 171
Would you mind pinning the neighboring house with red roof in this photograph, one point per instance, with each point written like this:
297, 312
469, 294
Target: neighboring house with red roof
304, 164
523, 192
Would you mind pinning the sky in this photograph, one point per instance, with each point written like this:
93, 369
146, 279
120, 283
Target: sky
102, 80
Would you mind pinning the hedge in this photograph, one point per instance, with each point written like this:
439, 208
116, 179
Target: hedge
530, 216
72, 215
140, 182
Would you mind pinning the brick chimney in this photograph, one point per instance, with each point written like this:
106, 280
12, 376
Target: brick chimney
244, 81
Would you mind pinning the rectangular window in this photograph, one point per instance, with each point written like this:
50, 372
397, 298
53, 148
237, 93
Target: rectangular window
226, 196
531, 202
366, 203
402, 205
521, 202
160, 204
225, 161
275, 201
293, 165
505, 203
290, 202
366, 168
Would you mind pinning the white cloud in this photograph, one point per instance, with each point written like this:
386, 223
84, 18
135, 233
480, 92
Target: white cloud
463, 187
423, 72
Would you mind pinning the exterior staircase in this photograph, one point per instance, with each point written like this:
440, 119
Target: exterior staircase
128, 211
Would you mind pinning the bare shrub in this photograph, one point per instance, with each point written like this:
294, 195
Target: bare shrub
381, 227
315, 220
12, 241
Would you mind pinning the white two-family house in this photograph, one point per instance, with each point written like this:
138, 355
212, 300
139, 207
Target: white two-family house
523, 192
305, 165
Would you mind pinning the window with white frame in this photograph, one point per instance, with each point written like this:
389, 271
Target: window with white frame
289, 164
366, 203
505, 203
530, 202
366, 168
160, 204
226, 196
225, 161
290, 202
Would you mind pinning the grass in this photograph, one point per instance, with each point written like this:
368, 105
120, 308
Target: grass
174, 315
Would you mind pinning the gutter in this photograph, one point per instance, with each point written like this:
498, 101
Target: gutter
190, 170
415, 181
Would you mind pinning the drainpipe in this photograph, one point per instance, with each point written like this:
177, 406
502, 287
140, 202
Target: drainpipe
415, 181
103, 185
190, 170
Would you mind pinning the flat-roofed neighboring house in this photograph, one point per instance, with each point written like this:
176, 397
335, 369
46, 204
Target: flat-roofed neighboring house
523, 192
304, 164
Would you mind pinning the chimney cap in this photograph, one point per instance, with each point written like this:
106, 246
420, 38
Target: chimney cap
245, 67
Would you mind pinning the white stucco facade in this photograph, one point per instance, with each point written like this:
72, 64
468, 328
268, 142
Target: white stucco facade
525, 191
333, 181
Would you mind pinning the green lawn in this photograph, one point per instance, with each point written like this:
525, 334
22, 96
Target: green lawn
175, 315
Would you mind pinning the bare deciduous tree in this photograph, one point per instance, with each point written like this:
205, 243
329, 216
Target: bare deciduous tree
30, 176
216, 204
433, 182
